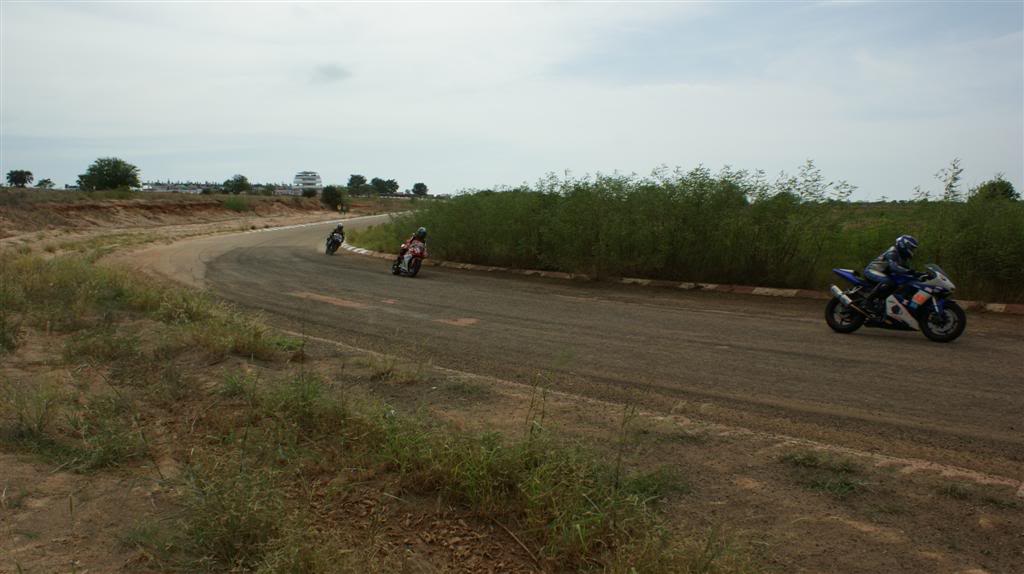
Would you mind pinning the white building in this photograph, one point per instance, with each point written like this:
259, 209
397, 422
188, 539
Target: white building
308, 180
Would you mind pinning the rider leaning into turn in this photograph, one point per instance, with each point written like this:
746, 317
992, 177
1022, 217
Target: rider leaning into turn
420, 236
340, 230
895, 261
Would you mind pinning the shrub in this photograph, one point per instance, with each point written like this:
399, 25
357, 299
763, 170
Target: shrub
732, 227
335, 198
230, 514
236, 203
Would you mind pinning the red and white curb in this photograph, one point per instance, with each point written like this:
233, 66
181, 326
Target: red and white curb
1007, 308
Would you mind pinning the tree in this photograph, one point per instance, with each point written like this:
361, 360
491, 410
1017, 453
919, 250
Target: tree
45, 183
19, 177
950, 178
309, 192
334, 197
237, 184
355, 183
996, 188
109, 173
384, 186
420, 189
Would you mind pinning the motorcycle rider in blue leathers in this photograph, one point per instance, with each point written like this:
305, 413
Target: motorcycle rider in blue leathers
895, 261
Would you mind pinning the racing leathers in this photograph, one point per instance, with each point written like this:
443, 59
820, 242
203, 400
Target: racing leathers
404, 254
880, 270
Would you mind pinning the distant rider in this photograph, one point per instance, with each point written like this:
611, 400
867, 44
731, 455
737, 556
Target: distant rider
340, 230
420, 237
895, 261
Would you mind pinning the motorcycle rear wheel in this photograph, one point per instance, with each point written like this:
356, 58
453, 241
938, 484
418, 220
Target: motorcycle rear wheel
944, 327
842, 319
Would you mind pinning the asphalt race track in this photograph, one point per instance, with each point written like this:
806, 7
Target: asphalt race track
760, 363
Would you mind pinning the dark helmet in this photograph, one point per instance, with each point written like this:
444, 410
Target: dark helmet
421, 233
905, 246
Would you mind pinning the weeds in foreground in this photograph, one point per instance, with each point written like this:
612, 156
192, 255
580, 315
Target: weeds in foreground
106, 430
826, 473
33, 408
570, 509
10, 325
391, 369
230, 514
975, 493
95, 433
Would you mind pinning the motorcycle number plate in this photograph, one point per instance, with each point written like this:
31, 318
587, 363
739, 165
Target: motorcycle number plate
920, 297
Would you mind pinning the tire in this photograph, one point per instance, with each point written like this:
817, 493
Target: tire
842, 319
330, 249
944, 328
395, 269
414, 266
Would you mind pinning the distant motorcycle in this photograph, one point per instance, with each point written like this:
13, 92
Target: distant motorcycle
334, 241
414, 252
920, 302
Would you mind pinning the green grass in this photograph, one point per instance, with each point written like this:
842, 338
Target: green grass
826, 473
33, 408
231, 514
107, 434
975, 493
237, 203
731, 227
957, 490
82, 435
104, 344
72, 294
572, 509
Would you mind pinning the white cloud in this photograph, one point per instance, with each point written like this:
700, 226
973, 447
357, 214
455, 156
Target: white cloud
475, 94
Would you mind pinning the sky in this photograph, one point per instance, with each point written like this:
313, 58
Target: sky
465, 95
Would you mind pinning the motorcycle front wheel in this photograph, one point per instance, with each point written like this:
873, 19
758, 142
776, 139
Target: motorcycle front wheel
414, 266
946, 326
842, 319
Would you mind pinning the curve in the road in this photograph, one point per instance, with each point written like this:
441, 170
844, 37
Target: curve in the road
758, 362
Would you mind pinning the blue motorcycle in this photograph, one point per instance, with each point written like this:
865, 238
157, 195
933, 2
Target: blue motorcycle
920, 302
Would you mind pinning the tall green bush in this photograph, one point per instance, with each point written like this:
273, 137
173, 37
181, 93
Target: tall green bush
729, 227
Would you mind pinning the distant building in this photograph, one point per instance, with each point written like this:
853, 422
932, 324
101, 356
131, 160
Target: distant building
308, 180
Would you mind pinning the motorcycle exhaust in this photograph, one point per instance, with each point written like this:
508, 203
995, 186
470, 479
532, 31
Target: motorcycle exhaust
843, 297
845, 300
